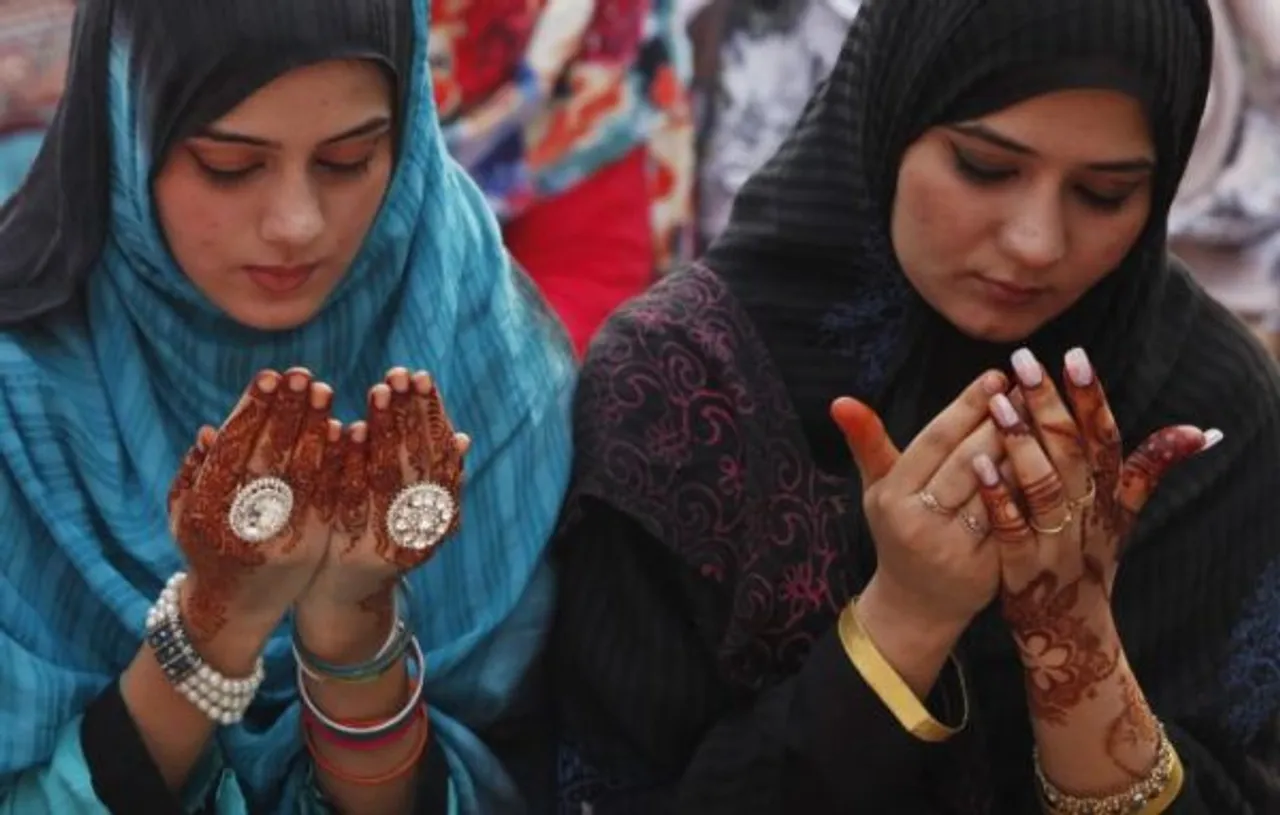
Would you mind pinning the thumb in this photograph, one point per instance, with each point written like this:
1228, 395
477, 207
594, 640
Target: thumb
1146, 466
189, 470
873, 451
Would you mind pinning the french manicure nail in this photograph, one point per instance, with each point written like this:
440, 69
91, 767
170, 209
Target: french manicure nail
321, 396
1028, 369
985, 469
359, 432
1212, 438
1003, 411
268, 381
381, 397
1079, 369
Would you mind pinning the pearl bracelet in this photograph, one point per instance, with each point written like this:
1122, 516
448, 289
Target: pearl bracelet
223, 699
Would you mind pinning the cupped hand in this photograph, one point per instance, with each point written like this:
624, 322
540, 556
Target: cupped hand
934, 557
1062, 512
406, 448
251, 555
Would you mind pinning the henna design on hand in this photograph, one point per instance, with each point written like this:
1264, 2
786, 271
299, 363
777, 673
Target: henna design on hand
218, 558
1007, 521
1045, 495
353, 488
305, 473
1064, 656
1129, 732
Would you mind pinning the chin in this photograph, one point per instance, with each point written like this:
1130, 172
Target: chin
281, 317
995, 328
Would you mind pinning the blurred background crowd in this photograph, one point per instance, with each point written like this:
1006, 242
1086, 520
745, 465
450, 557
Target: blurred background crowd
610, 136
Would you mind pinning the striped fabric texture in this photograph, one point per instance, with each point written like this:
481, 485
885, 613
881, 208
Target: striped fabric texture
99, 401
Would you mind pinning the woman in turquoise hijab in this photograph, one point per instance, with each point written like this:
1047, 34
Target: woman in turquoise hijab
243, 218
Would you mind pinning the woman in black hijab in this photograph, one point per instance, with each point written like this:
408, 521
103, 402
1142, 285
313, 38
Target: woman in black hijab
739, 632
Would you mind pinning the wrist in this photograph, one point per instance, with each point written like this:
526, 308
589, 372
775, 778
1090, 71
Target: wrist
343, 635
885, 613
234, 647
914, 646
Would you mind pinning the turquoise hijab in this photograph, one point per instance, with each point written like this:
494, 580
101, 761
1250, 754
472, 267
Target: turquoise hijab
102, 396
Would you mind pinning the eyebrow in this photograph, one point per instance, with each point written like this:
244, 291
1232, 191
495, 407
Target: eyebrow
985, 133
370, 127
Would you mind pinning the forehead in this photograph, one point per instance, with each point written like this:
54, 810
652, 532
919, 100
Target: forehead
313, 102
1078, 125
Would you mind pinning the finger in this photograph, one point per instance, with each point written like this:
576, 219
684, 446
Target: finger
1037, 480
353, 488
1097, 424
306, 463
972, 515
954, 483
224, 466
1147, 465
189, 469
280, 432
873, 451
326, 500
446, 455
384, 469
927, 451
1008, 525
416, 435
1053, 423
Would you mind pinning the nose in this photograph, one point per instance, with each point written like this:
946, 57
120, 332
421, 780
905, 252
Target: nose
293, 218
1035, 237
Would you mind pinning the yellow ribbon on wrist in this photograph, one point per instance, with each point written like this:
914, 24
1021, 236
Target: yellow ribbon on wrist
889, 685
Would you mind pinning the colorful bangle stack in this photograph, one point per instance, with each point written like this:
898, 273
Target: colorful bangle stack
364, 735
223, 699
388, 655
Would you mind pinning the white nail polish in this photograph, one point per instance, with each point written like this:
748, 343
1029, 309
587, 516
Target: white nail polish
986, 471
1028, 369
1212, 438
1079, 369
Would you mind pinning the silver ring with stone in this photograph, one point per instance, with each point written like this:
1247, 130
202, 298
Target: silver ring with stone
420, 516
971, 523
261, 509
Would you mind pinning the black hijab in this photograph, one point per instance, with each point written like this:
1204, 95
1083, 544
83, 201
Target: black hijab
703, 407
811, 229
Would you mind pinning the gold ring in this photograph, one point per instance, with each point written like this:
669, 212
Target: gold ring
932, 504
972, 524
1086, 499
1056, 530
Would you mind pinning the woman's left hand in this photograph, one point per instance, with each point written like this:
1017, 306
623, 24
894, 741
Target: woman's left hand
1063, 525
398, 497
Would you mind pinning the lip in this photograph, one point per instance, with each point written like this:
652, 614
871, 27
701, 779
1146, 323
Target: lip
1008, 294
280, 279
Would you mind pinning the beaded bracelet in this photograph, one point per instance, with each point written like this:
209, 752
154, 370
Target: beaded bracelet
1152, 794
360, 732
223, 699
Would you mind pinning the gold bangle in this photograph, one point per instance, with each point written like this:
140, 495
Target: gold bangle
1150, 796
890, 687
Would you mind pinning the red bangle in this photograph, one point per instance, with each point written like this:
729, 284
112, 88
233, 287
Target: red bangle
402, 769
317, 729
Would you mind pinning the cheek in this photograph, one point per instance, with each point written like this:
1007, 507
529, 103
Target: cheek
196, 222
1105, 245
351, 209
937, 222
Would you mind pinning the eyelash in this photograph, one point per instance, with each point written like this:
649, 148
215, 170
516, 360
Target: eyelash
229, 178
985, 177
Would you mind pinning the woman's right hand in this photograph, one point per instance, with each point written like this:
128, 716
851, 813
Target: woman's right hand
937, 566
280, 429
